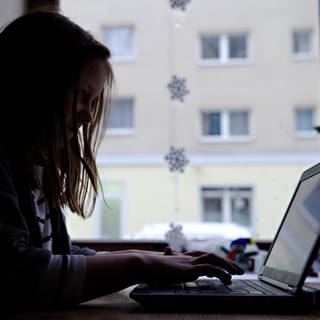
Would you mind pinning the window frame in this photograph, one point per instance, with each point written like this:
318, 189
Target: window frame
225, 135
129, 58
120, 196
305, 133
303, 55
227, 194
224, 49
123, 131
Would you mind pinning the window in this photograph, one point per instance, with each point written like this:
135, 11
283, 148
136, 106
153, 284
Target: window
224, 48
305, 122
302, 44
111, 215
237, 47
227, 204
120, 41
225, 125
121, 116
110, 218
220, 86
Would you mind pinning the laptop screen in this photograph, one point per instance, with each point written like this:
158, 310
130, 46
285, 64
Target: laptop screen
297, 235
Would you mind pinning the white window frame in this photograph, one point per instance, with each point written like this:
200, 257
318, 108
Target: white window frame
224, 58
98, 212
304, 133
225, 135
303, 55
226, 195
124, 131
124, 58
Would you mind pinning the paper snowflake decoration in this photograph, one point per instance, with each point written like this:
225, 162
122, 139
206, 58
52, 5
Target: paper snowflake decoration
176, 238
178, 89
176, 159
179, 4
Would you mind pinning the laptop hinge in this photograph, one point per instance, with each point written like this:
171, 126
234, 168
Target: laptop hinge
291, 289
279, 284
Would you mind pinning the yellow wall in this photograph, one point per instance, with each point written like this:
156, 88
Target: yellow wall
151, 193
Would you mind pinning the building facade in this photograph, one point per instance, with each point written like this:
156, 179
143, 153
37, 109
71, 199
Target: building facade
227, 90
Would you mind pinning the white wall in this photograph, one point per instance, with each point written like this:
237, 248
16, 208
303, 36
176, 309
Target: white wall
9, 10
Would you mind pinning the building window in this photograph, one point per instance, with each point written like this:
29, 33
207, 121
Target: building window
110, 215
120, 41
302, 44
226, 48
237, 47
121, 118
225, 125
305, 122
227, 204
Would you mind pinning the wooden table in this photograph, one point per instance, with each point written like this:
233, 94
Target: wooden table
119, 306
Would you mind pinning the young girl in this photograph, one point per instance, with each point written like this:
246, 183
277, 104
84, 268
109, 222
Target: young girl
55, 87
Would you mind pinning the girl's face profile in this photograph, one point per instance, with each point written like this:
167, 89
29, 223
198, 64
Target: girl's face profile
92, 80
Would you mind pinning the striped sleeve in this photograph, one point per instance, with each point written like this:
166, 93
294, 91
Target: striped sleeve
63, 281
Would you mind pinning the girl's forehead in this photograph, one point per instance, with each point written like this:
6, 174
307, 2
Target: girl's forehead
94, 76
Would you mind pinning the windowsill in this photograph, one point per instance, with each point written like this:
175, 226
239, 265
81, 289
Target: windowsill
303, 57
306, 135
117, 245
157, 245
208, 139
229, 63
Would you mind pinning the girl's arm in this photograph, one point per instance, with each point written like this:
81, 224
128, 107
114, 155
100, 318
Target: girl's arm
116, 271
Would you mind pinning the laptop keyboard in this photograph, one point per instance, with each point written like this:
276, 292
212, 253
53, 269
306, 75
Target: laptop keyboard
237, 287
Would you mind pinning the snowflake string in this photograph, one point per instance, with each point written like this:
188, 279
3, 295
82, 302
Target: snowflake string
177, 159
179, 4
178, 89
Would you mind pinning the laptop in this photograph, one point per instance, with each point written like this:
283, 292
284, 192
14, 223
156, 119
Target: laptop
280, 283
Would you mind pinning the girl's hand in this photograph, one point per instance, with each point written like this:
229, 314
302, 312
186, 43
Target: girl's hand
181, 267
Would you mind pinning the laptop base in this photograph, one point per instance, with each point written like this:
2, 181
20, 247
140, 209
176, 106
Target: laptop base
165, 299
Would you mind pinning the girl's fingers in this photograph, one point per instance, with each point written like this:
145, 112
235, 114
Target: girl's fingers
212, 271
221, 262
209, 264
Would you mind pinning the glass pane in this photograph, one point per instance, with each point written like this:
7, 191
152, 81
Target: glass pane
237, 46
239, 123
110, 218
302, 42
119, 40
210, 47
212, 209
240, 210
211, 123
121, 114
304, 120
167, 42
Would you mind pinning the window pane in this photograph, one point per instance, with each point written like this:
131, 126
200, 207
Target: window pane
304, 120
121, 114
110, 218
211, 123
210, 47
302, 42
230, 61
239, 123
227, 204
212, 209
240, 210
119, 40
238, 46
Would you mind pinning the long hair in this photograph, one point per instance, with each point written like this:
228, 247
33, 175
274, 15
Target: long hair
42, 55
